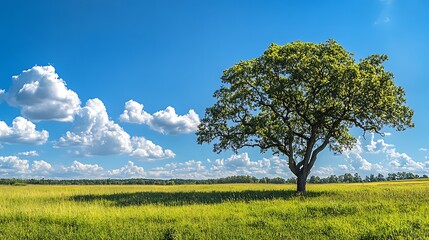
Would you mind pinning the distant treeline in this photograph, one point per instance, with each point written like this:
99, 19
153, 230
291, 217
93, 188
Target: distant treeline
349, 178
143, 181
346, 178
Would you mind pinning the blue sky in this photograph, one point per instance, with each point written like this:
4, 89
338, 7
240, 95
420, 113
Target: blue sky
115, 89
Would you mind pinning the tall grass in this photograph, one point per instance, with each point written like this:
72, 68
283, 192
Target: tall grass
393, 210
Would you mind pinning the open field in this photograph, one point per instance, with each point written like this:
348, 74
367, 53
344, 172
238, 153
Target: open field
388, 210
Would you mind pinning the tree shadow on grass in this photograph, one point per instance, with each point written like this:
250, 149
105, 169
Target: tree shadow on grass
188, 198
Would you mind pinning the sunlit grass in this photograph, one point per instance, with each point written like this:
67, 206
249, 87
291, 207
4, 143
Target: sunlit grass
388, 210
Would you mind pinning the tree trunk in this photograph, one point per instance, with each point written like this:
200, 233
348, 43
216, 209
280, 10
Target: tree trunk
301, 183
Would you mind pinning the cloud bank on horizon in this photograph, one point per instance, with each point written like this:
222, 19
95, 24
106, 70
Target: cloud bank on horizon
41, 95
236, 164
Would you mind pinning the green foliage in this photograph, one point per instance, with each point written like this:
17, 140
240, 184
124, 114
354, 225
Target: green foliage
346, 178
299, 98
384, 210
143, 181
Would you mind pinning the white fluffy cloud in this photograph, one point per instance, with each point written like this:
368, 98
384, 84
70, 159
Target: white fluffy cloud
186, 170
403, 162
42, 95
130, 170
397, 161
29, 153
234, 165
78, 170
13, 166
22, 132
355, 158
237, 164
134, 113
93, 133
166, 121
78, 167
41, 167
325, 171
143, 148
378, 146
390, 159
277, 167
241, 164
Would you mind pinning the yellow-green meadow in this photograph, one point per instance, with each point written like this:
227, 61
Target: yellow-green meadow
387, 210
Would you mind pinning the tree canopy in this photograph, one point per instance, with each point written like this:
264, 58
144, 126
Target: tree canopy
297, 99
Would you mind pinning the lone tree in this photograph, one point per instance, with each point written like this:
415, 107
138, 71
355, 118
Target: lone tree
297, 99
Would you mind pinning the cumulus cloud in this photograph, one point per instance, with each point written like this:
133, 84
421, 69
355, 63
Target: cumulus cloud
423, 149
241, 164
41, 167
42, 95
391, 159
355, 158
324, 171
188, 166
134, 113
236, 164
29, 153
87, 168
186, 170
143, 148
78, 170
397, 161
13, 166
165, 121
22, 132
130, 170
344, 167
277, 167
93, 133
403, 162
377, 146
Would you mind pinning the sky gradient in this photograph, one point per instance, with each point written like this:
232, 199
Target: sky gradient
116, 89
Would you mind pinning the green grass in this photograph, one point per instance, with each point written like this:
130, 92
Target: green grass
389, 210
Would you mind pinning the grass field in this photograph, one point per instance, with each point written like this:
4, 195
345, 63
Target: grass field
388, 210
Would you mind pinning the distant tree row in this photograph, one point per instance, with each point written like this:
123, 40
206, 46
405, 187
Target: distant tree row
346, 178
143, 181
349, 178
